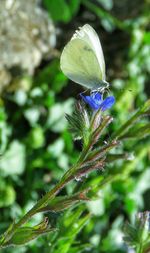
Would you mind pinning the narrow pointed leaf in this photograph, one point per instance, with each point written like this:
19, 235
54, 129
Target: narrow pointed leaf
24, 235
61, 203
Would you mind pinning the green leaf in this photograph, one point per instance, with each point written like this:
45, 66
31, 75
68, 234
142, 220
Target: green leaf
62, 10
146, 38
32, 114
36, 137
4, 131
80, 248
74, 6
7, 194
25, 234
56, 118
137, 234
6, 236
108, 21
62, 203
131, 234
52, 76
138, 133
73, 224
79, 122
13, 160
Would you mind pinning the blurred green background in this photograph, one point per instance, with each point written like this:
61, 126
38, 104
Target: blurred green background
36, 147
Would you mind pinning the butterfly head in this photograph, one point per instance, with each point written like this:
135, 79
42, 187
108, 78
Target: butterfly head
104, 87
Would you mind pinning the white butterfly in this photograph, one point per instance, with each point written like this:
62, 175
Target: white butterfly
82, 59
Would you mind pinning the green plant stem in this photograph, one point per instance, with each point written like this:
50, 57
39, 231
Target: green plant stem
67, 177
143, 111
125, 126
140, 249
5, 240
70, 174
41, 203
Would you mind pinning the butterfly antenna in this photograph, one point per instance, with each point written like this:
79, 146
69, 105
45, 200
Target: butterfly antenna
108, 90
83, 92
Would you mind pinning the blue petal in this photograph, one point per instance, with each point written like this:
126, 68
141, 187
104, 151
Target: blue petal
89, 100
97, 97
95, 101
107, 103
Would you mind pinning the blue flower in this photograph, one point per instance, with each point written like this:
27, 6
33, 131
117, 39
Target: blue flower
95, 101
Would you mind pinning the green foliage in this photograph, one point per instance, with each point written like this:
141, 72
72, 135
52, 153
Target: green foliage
8, 194
66, 10
137, 235
72, 225
25, 234
13, 161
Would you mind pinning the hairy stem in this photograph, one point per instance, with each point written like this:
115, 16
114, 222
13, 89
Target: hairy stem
67, 177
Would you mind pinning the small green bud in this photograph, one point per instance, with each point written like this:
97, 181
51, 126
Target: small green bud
24, 235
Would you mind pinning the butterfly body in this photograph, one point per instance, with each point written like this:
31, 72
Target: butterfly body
82, 59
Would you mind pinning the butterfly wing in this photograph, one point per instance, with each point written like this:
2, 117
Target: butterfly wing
92, 37
79, 61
